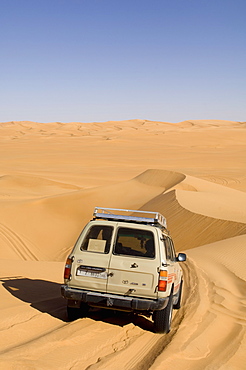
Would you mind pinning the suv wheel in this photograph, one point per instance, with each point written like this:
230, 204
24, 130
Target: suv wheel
177, 305
163, 318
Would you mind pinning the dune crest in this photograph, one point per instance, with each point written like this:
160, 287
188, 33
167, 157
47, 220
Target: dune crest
163, 178
189, 229
210, 199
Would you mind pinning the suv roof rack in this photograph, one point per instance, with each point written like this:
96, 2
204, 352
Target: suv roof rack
129, 216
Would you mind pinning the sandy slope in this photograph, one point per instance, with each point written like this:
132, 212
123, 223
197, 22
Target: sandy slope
51, 178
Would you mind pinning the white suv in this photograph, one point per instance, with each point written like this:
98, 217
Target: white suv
124, 260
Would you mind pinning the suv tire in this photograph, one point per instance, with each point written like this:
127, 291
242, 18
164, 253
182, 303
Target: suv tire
162, 318
177, 305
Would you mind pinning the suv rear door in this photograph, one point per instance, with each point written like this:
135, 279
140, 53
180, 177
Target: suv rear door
134, 261
90, 267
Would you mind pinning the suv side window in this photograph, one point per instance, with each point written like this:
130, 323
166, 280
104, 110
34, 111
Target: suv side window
173, 250
170, 255
135, 242
97, 239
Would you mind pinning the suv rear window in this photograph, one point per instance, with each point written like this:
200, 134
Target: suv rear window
97, 239
135, 242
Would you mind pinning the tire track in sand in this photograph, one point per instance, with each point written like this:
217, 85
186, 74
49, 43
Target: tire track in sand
194, 346
16, 244
140, 352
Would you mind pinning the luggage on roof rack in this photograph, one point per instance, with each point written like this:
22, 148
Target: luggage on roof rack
130, 216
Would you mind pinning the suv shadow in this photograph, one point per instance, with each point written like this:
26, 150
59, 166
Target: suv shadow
45, 296
42, 295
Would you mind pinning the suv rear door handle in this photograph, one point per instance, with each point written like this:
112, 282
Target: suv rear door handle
134, 265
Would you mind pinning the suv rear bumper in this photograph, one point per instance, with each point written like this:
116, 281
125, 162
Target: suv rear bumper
113, 301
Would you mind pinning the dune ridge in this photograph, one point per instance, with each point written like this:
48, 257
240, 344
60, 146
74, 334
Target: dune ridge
190, 229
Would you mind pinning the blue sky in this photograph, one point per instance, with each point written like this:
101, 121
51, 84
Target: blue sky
100, 60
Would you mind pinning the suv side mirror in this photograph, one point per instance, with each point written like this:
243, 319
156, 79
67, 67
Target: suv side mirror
181, 257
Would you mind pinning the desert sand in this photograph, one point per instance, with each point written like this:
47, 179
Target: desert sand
53, 175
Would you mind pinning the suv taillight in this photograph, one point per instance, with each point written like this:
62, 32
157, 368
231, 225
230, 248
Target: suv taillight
67, 270
162, 285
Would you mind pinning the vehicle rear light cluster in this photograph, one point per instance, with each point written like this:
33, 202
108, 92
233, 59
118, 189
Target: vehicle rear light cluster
162, 285
68, 266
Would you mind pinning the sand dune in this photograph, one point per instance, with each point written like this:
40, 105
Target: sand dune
211, 199
29, 187
51, 178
